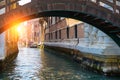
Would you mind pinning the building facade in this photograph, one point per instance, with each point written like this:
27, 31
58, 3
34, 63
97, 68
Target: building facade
34, 33
84, 42
30, 32
9, 38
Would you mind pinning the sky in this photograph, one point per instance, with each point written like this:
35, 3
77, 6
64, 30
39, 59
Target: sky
22, 2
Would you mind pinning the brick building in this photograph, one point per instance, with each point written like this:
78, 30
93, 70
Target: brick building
83, 42
31, 32
63, 28
34, 33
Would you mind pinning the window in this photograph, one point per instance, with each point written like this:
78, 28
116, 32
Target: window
67, 32
75, 28
59, 34
51, 36
55, 34
35, 34
45, 36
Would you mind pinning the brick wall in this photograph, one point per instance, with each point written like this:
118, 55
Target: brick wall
71, 32
80, 30
62, 25
63, 34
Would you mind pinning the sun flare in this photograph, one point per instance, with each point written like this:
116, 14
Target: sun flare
19, 29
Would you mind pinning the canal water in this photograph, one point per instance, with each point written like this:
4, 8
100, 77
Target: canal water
36, 64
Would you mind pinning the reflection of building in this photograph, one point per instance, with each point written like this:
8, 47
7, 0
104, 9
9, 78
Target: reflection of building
83, 42
8, 39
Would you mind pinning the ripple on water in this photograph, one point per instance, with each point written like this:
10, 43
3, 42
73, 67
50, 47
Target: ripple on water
35, 64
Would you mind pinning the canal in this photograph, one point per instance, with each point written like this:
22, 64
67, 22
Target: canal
36, 64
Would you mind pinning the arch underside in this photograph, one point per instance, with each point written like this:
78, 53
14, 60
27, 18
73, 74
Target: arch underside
103, 25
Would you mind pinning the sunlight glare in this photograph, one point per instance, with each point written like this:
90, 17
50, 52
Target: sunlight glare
19, 29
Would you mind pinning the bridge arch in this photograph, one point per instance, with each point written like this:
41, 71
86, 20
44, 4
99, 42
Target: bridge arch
84, 10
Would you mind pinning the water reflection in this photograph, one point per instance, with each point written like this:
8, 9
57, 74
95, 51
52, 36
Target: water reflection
35, 64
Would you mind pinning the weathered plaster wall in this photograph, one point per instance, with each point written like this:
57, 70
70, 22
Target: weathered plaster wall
2, 45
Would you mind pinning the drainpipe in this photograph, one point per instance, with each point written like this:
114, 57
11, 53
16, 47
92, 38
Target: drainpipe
77, 43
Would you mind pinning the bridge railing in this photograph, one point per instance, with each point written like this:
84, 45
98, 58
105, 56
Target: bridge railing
4, 4
113, 5
104, 8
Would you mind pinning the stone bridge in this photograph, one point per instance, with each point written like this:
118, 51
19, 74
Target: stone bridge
103, 14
